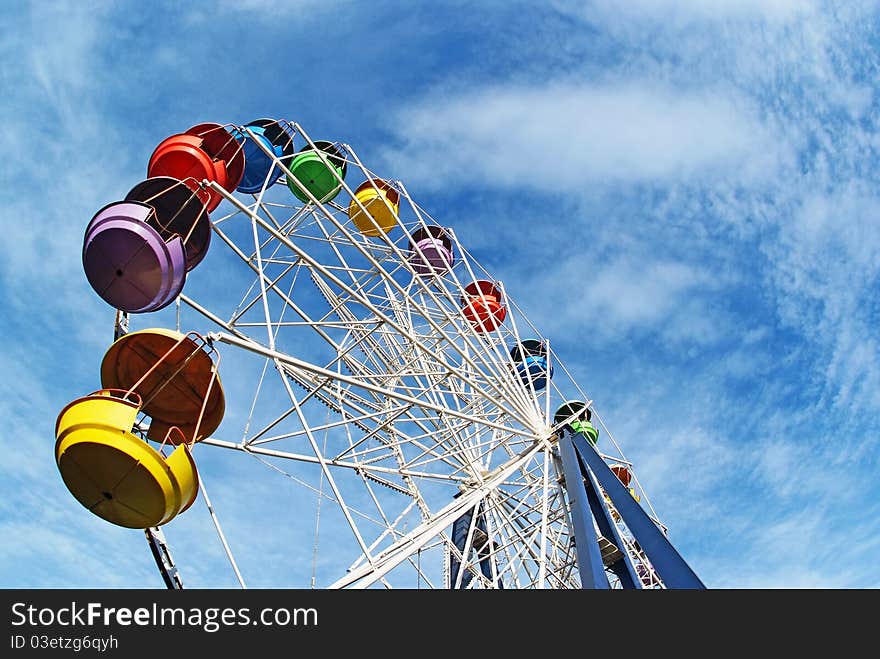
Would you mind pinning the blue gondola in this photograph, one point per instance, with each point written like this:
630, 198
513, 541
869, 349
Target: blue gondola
530, 358
278, 139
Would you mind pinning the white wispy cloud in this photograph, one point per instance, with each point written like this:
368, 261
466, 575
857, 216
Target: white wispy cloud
608, 299
632, 293
65, 159
679, 11
567, 135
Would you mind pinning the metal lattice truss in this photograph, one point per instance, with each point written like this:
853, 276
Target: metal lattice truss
406, 414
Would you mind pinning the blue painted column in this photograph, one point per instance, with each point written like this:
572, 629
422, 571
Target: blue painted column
623, 568
484, 551
667, 562
589, 557
460, 528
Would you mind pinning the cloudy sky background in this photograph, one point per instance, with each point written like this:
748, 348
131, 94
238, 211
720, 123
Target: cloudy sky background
681, 193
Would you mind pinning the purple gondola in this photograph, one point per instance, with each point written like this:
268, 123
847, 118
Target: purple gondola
128, 263
179, 210
436, 247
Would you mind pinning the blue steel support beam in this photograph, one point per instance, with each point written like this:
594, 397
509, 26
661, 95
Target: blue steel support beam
586, 543
623, 568
667, 562
460, 529
484, 551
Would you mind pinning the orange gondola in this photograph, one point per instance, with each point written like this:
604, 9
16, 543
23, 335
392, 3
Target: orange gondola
483, 305
175, 377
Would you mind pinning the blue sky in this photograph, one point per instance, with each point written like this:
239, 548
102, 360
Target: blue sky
681, 193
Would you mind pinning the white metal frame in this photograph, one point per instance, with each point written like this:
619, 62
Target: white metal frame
426, 405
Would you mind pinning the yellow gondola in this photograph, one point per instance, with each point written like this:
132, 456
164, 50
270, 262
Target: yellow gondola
614, 512
382, 203
113, 473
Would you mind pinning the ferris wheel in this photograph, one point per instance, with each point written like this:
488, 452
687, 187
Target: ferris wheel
390, 382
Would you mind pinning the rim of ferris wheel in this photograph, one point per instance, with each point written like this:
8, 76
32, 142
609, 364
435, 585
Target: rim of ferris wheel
436, 250
382, 204
179, 210
483, 305
624, 475
175, 376
312, 172
113, 473
279, 133
258, 165
128, 263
